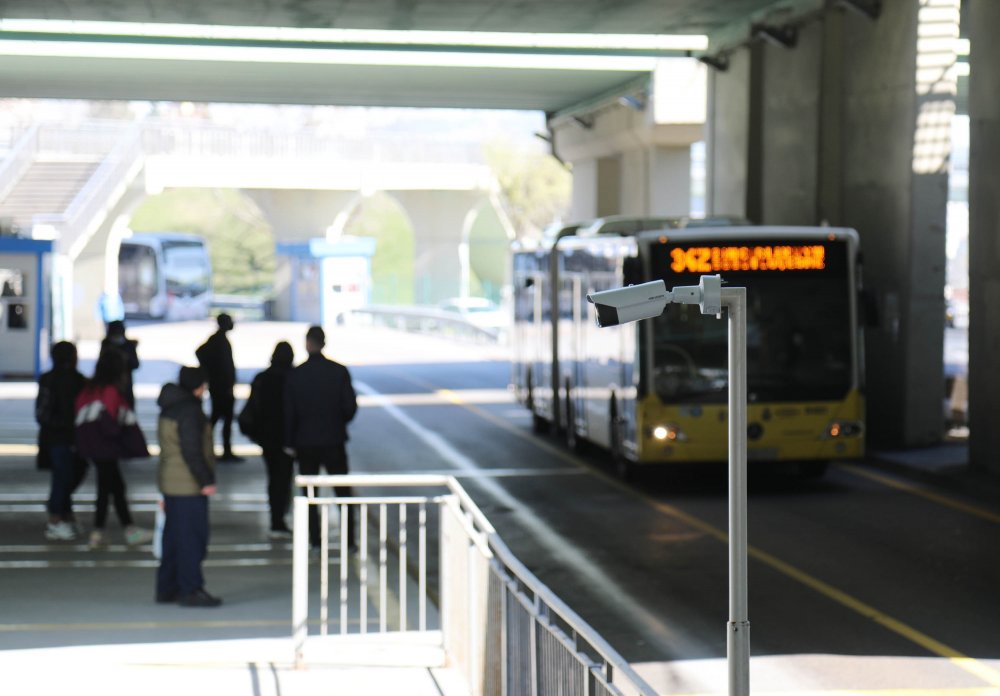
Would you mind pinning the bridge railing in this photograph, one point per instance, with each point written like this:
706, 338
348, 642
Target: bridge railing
212, 140
497, 623
429, 320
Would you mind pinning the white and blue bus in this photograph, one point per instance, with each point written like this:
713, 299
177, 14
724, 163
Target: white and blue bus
165, 275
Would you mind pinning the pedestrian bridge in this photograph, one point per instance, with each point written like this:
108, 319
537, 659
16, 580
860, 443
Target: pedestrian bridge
79, 186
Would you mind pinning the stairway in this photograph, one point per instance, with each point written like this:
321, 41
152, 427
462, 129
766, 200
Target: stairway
47, 187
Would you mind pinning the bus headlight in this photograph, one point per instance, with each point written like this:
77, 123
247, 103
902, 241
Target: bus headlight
668, 433
839, 429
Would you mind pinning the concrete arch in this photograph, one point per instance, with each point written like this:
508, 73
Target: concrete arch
484, 249
382, 216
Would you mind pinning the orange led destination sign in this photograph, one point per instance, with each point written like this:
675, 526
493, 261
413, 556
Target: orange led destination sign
714, 259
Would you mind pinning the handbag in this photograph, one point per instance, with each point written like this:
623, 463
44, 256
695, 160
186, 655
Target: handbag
248, 420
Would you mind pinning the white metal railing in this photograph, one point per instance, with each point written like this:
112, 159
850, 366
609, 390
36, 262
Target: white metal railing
499, 625
100, 192
18, 160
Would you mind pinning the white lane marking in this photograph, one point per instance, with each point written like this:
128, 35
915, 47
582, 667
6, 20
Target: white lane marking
559, 546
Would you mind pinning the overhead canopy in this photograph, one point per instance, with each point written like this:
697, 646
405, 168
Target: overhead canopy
399, 58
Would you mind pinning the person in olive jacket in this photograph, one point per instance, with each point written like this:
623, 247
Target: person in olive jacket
186, 479
319, 403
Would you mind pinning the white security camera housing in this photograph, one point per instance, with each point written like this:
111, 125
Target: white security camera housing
631, 303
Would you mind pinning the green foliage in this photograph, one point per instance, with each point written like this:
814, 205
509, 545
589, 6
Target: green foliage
535, 187
239, 238
379, 216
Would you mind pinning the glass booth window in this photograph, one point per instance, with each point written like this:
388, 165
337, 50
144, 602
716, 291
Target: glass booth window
12, 282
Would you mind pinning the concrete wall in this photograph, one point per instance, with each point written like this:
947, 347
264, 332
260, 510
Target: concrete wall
846, 127
984, 235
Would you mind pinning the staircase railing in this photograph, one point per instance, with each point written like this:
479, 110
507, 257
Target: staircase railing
102, 190
17, 162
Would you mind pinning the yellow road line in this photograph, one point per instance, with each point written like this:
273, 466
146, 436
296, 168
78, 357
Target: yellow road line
968, 664
913, 489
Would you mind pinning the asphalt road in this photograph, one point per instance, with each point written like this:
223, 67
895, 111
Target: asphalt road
863, 581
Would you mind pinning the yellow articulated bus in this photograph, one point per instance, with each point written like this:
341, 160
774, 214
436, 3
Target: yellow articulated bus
655, 392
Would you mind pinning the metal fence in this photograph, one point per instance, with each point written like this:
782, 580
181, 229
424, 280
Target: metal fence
505, 631
429, 320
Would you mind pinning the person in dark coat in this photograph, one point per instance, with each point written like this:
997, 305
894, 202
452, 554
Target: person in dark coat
216, 358
319, 403
55, 411
267, 401
187, 479
115, 339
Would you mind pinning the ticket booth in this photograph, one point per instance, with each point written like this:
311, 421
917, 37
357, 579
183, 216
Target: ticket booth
24, 306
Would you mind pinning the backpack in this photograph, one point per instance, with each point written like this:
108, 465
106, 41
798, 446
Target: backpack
249, 418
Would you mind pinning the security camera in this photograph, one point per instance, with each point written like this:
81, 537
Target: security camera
631, 303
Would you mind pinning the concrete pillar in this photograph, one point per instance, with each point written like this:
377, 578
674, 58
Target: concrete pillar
632, 156
851, 127
899, 97
728, 138
984, 235
440, 220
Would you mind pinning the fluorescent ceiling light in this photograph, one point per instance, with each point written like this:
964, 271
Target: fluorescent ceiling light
625, 42
251, 54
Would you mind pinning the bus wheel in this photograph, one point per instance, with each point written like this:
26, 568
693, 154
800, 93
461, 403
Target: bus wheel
539, 425
813, 470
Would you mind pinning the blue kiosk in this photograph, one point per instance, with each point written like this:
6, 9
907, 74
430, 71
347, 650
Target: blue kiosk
326, 278
25, 306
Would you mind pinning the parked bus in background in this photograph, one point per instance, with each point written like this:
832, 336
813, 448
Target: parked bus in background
655, 392
165, 275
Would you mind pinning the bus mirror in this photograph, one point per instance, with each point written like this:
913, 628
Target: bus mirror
631, 303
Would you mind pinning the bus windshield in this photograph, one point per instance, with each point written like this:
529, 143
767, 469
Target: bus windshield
798, 336
186, 268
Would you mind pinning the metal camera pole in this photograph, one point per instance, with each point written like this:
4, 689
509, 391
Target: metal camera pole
738, 629
648, 300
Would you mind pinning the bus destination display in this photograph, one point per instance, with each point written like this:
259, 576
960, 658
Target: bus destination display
750, 257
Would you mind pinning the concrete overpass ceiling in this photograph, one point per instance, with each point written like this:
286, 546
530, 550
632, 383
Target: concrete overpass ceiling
164, 61
540, 16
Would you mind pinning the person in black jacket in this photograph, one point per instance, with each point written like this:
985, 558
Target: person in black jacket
267, 424
55, 412
319, 403
115, 340
216, 358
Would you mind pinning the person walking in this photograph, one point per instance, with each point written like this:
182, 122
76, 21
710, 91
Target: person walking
55, 412
263, 421
216, 358
107, 431
319, 403
187, 481
115, 339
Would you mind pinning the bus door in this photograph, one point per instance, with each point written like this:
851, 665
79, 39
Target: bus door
577, 348
541, 345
